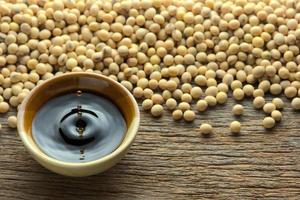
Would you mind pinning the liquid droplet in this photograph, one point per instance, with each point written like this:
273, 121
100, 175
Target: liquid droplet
79, 93
82, 156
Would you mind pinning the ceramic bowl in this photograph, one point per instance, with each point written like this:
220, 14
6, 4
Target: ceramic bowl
71, 82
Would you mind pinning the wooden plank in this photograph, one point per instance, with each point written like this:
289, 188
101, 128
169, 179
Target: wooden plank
171, 160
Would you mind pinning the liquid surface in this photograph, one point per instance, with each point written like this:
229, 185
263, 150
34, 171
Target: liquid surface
78, 127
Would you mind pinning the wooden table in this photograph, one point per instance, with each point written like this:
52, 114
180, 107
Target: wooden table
171, 160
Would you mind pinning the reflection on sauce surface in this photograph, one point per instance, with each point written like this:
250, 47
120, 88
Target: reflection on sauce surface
78, 127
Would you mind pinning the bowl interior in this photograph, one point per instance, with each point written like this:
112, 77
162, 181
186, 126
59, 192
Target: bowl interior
86, 82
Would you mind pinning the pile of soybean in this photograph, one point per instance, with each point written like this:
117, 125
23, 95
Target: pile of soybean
173, 55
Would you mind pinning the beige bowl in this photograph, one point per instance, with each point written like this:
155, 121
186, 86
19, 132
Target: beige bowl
71, 82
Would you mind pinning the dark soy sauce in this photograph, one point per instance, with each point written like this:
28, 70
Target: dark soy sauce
78, 127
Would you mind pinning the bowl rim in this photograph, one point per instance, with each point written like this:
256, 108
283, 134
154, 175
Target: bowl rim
44, 157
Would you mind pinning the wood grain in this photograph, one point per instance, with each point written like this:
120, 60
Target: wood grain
171, 160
